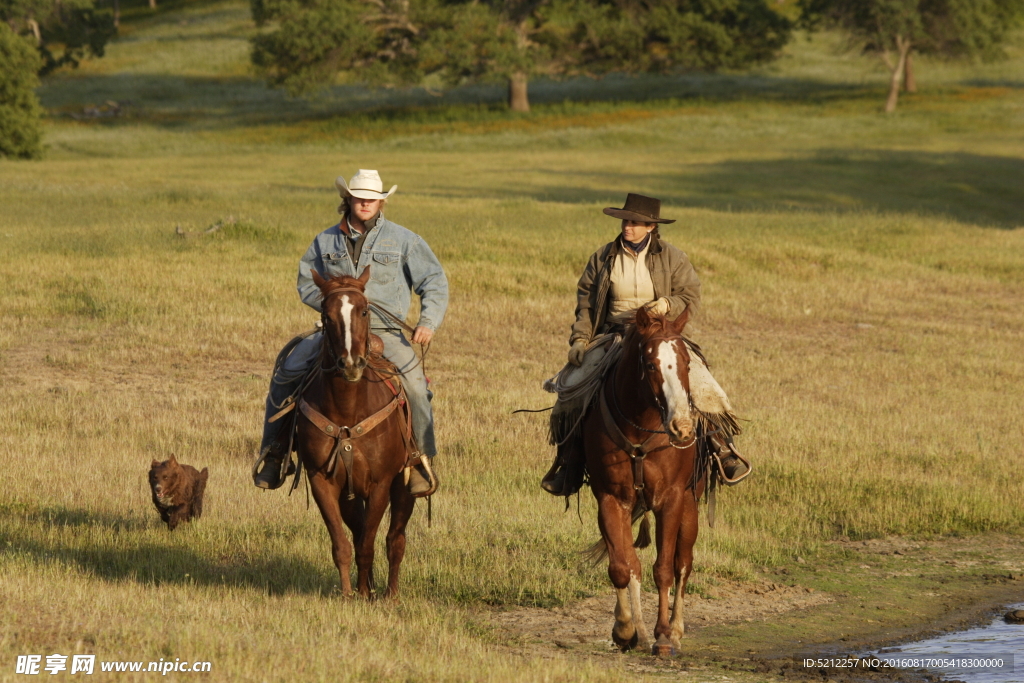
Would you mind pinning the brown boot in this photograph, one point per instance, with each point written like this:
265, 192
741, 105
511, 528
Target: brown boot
270, 476
554, 481
566, 474
420, 481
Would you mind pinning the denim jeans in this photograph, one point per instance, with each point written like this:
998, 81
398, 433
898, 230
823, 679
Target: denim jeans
397, 349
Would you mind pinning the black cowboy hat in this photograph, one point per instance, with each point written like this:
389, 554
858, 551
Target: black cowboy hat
640, 209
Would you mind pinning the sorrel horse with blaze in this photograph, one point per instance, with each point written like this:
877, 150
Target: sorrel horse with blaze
352, 415
640, 445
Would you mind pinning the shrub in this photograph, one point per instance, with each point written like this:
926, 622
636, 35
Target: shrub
20, 130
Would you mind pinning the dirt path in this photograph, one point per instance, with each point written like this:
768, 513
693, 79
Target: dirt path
870, 594
589, 622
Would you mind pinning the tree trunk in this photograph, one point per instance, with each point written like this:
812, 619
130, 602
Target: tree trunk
152, 4
34, 25
117, 13
909, 82
897, 74
518, 100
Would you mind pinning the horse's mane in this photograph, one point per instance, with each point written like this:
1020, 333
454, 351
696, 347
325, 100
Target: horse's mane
342, 282
659, 325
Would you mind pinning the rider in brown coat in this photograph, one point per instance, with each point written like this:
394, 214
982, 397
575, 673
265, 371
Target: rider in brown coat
635, 269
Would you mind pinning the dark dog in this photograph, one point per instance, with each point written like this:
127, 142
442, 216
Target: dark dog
177, 491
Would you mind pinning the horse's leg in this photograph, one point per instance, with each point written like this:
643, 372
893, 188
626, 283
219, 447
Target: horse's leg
643, 635
624, 571
374, 512
683, 563
669, 519
402, 504
326, 495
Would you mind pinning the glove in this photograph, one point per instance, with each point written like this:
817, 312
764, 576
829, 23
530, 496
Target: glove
576, 353
658, 307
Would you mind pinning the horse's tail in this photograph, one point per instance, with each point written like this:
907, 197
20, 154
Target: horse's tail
643, 537
598, 552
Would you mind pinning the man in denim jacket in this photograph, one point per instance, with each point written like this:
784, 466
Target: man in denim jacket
400, 263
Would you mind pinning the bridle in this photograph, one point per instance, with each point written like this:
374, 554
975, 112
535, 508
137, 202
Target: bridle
338, 364
662, 409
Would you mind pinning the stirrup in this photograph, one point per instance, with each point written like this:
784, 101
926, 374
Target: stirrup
721, 472
424, 460
285, 468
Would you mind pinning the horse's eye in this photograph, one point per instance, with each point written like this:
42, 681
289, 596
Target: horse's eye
364, 313
650, 367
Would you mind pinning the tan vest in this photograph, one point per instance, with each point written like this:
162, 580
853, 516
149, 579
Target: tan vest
631, 284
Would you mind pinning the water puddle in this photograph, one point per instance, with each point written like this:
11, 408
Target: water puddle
984, 654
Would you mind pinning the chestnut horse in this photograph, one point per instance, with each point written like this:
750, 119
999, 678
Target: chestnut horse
641, 454
353, 438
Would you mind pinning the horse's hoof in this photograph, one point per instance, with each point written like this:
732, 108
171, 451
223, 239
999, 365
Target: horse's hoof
625, 644
663, 648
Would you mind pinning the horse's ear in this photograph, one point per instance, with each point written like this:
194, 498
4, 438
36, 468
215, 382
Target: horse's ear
317, 280
364, 278
153, 465
643, 319
172, 459
679, 323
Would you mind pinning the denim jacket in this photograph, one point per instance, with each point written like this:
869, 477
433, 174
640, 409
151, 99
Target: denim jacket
400, 262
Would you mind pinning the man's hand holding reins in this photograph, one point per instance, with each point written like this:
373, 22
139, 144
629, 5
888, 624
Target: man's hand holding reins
658, 306
578, 350
422, 335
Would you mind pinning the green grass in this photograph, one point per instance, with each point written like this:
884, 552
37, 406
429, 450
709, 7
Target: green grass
863, 287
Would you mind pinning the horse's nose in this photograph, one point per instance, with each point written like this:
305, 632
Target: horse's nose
353, 370
681, 428
356, 362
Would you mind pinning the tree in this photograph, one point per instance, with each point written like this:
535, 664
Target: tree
64, 31
894, 29
401, 41
20, 132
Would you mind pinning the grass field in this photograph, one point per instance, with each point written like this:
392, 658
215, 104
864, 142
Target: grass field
863, 306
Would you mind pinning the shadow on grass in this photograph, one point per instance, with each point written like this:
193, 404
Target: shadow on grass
972, 188
118, 547
216, 103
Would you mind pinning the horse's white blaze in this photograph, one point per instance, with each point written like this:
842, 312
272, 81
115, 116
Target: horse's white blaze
676, 399
346, 316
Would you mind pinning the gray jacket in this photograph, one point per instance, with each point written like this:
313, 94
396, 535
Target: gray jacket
400, 262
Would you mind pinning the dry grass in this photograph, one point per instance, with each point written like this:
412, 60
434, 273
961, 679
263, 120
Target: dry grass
863, 297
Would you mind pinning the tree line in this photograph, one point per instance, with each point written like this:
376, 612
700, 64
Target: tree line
311, 44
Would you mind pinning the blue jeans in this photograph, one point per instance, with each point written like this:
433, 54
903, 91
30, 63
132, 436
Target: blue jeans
397, 349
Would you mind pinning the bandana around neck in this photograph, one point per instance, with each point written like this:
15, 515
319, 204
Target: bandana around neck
637, 247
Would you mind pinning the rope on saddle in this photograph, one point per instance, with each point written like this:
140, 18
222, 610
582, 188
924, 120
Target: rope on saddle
577, 387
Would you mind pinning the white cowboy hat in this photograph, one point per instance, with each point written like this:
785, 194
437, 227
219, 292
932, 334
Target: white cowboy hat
365, 185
